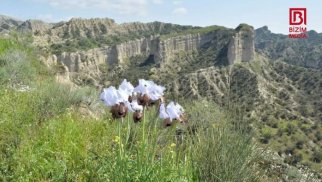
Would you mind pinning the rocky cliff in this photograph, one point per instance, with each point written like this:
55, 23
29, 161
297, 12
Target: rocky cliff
8, 23
84, 46
241, 47
224, 46
111, 55
162, 50
37, 27
167, 49
103, 31
300, 52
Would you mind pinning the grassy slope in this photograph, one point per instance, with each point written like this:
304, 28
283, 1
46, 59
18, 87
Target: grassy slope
45, 134
201, 30
289, 122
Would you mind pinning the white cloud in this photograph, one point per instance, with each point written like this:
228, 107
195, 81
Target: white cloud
130, 7
177, 2
180, 11
46, 17
124, 7
157, 1
49, 18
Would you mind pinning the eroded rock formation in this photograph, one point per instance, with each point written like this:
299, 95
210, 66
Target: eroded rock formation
241, 47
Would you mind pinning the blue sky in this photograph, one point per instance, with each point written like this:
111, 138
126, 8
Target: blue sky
229, 13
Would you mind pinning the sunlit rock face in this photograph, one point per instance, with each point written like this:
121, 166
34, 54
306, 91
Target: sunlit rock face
163, 51
168, 46
241, 47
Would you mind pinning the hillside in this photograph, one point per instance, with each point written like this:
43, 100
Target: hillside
261, 85
51, 130
7, 24
302, 52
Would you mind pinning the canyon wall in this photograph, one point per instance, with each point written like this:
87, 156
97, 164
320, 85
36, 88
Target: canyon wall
241, 47
164, 51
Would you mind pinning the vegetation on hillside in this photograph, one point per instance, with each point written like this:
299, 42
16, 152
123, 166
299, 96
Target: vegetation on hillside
288, 119
302, 52
194, 30
74, 41
244, 26
51, 131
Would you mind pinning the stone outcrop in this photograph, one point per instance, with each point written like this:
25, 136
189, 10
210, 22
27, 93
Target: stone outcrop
301, 52
163, 46
124, 51
91, 59
163, 51
8, 23
77, 27
210, 82
167, 49
37, 27
241, 47
104, 28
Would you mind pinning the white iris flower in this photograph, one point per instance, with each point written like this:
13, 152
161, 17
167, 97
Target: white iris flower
156, 92
126, 87
149, 88
143, 86
172, 111
163, 113
110, 96
134, 106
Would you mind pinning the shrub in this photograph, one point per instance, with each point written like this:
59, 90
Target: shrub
220, 151
299, 144
223, 155
51, 99
290, 129
267, 132
16, 69
317, 156
9, 44
293, 159
318, 136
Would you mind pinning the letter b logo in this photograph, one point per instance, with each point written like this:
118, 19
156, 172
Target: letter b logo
297, 16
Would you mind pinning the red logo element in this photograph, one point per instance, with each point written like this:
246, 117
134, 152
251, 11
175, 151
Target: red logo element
297, 29
297, 16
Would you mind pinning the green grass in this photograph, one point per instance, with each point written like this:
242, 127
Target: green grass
79, 148
7, 44
63, 144
55, 132
202, 30
244, 27
56, 142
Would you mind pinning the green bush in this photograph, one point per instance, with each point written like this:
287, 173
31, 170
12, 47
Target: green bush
51, 99
8, 44
16, 69
223, 155
293, 159
267, 132
317, 156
